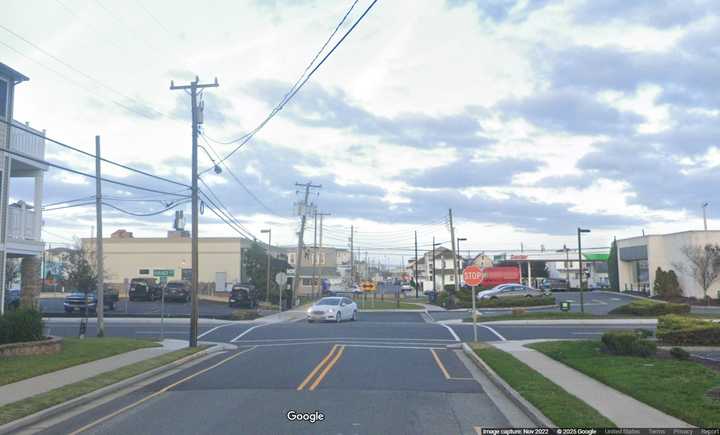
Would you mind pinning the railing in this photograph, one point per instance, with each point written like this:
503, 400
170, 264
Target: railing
27, 143
21, 223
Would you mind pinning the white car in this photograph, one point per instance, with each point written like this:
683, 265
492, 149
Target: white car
336, 308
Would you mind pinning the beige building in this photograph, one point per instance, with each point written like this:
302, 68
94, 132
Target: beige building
639, 258
168, 259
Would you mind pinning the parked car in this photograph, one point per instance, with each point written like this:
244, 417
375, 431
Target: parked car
144, 289
554, 284
510, 290
243, 296
336, 309
177, 291
78, 301
12, 299
406, 289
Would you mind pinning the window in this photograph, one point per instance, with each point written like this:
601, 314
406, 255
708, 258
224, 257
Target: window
3, 98
144, 272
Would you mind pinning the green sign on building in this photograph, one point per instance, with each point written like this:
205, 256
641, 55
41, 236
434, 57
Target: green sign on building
163, 272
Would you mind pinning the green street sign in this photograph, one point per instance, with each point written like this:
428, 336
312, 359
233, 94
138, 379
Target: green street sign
565, 306
163, 272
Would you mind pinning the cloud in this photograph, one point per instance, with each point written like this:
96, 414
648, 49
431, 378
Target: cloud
570, 111
502, 10
316, 107
461, 174
655, 13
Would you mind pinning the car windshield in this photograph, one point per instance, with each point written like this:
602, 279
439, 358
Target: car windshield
328, 301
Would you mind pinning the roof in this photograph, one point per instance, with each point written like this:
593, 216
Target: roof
597, 256
11, 73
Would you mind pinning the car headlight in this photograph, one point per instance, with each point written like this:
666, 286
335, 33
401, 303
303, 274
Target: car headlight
309, 310
331, 311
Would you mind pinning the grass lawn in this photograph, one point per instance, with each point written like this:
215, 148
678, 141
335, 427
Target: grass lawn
555, 315
75, 351
22, 408
564, 409
387, 304
675, 387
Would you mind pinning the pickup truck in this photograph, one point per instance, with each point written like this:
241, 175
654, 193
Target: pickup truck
78, 301
146, 289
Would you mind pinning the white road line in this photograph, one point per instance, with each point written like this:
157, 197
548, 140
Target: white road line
366, 345
587, 333
497, 334
213, 329
248, 330
615, 299
158, 332
455, 336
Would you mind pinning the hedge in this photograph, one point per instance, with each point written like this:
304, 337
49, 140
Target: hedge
651, 308
687, 331
517, 301
23, 324
628, 343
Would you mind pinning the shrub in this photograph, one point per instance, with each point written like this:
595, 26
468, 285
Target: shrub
679, 353
651, 308
519, 311
23, 324
628, 343
442, 299
688, 331
244, 315
644, 333
516, 302
666, 284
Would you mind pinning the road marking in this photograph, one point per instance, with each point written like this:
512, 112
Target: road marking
478, 430
615, 299
349, 338
328, 367
246, 331
383, 345
599, 302
452, 332
157, 393
497, 334
587, 333
158, 333
317, 368
440, 364
213, 329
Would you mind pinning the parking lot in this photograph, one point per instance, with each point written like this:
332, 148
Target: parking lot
54, 307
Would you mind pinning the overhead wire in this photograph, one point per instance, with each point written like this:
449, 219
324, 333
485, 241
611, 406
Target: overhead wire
153, 213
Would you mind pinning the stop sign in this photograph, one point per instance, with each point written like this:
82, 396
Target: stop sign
472, 275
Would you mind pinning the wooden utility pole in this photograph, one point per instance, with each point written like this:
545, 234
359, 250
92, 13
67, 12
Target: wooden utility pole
196, 112
300, 248
417, 284
100, 285
454, 253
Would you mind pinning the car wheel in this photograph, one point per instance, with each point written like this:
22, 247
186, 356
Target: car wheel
493, 297
354, 317
338, 317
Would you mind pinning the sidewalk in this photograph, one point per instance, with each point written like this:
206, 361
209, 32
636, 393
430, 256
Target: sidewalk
42, 384
623, 410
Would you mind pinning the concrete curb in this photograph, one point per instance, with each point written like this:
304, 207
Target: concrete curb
628, 295
84, 399
168, 320
392, 311
528, 408
540, 322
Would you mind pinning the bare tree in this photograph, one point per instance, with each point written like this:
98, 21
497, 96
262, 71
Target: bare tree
703, 265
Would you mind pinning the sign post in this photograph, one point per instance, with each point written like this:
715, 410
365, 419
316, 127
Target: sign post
473, 276
281, 281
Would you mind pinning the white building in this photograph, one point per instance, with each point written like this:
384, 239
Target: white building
22, 220
639, 258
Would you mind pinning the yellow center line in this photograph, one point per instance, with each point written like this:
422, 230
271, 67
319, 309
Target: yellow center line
317, 368
157, 393
440, 364
327, 368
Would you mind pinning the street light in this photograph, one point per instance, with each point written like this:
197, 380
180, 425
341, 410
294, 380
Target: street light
460, 239
433, 263
704, 207
267, 282
582, 290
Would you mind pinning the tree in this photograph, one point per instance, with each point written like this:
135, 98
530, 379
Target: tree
613, 272
703, 265
666, 284
256, 271
81, 274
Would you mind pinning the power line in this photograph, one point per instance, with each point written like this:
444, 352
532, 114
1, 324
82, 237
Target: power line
83, 204
227, 219
68, 201
246, 138
224, 209
153, 213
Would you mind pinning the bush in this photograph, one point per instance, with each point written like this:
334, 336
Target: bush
519, 311
442, 299
244, 315
518, 301
23, 324
666, 284
679, 353
687, 331
644, 333
651, 308
628, 343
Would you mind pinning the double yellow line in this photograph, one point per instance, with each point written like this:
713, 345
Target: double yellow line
322, 368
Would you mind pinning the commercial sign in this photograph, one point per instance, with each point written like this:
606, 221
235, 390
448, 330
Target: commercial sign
368, 286
163, 272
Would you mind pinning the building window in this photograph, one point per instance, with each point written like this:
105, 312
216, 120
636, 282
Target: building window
144, 272
643, 274
308, 281
3, 98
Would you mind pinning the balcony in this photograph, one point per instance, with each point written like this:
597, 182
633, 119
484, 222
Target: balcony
28, 144
22, 224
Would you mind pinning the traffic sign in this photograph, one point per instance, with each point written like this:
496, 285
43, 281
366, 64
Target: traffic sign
368, 286
472, 275
281, 279
163, 272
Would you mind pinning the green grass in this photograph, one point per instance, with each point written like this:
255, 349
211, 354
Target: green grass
25, 407
561, 407
75, 351
675, 387
387, 304
556, 315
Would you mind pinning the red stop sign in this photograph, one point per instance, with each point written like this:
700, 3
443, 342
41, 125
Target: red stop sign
472, 275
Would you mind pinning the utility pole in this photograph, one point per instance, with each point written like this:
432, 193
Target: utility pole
196, 112
452, 240
352, 256
433, 268
100, 286
267, 279
567, 265
300, 248
417, 284
315, 253
320, 277
704, 208
582, 288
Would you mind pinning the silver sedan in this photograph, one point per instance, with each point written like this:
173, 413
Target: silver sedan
509, 291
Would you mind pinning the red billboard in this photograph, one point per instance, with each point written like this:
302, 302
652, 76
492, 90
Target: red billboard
493, 276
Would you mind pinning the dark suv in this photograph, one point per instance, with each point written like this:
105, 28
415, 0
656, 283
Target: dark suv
177, 291
78, 301
243, 296
144, 288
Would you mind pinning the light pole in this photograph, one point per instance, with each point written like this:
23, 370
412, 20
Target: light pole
267, 282
580, 276
704, 207
460, 239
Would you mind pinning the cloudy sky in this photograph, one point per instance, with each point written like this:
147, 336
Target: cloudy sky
528, 118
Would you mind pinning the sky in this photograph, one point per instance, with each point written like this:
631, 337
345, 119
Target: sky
527, 118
